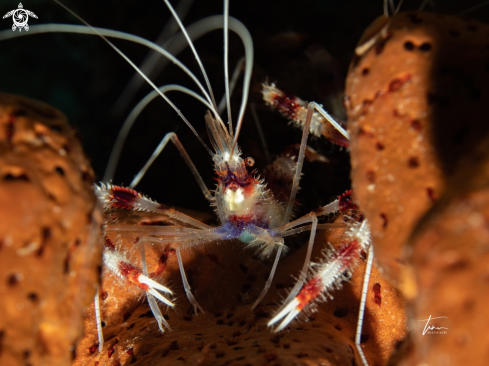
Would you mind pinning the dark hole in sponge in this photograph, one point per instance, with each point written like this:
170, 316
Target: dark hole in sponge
413, 162
340, 312
60, 171
26, 353
32, 296
383, 216
12, 177
13, 279
148, 314
409, 45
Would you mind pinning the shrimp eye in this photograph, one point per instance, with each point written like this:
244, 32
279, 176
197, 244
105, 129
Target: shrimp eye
249, 161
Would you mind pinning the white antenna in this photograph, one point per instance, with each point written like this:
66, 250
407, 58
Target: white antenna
226, 66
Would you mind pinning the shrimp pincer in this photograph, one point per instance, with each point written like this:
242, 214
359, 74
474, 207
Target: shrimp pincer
295, 109
328, 275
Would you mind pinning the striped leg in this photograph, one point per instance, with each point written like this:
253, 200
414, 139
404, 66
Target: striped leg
363, 300
98, 319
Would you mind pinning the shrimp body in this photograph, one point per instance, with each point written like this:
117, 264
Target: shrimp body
247, 210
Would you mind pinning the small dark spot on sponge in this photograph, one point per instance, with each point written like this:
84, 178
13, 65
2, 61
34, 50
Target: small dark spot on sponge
409, 45
376, 288
413, 162
341, 312
383, 216
370, 176
13, 177
60, 171
32, 296
13, 279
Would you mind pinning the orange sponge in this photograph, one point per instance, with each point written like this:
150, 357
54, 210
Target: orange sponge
49, 242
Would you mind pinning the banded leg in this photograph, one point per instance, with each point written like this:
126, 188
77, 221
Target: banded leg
307, 261
173, 137
361, 312
343, 202
307, 218
116, 263
300, 162
112, 196
295, 109
186, 285
160, 319
270, 278
288, 211
98, 320
329, 274
187, 239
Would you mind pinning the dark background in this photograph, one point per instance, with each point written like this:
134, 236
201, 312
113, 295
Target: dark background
82, 76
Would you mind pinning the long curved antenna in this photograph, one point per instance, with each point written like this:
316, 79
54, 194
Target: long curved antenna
128, 123
226, 66
69, 28
232, 84
175, 15
177, 43
248, 45
150, 65
201, 27
423, 4
465, 12
141, 73
398, 7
